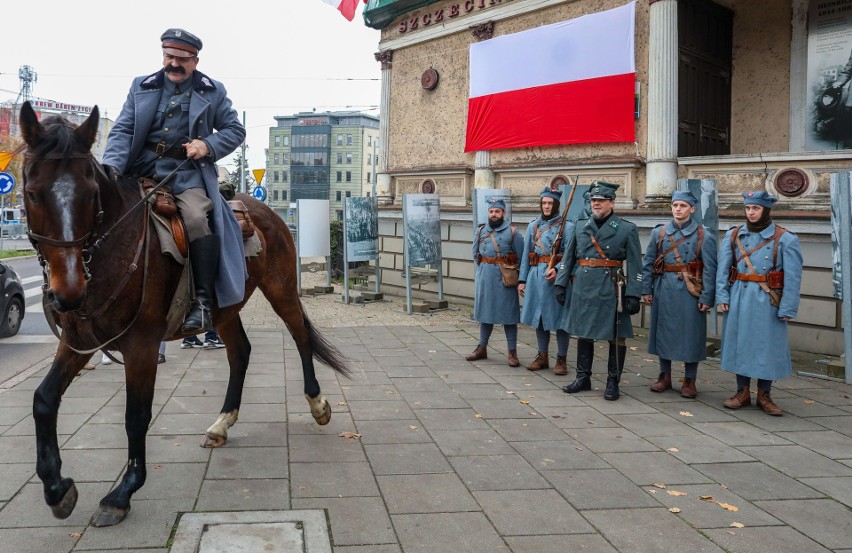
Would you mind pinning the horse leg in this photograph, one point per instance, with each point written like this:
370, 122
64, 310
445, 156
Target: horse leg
239, 349
306, 338
140, 372
59, 493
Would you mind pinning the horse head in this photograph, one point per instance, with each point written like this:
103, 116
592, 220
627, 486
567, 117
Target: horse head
61, 185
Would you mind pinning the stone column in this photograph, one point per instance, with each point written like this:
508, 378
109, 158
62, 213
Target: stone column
384, 194
661, 170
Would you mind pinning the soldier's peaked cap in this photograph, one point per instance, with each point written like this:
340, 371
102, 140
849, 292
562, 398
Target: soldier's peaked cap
182, 41
603, 190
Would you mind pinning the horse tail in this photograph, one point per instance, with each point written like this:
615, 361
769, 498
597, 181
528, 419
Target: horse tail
323, 350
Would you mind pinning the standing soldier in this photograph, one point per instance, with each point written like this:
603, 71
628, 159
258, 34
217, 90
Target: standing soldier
496, 243
541, 311
757, 289
679, 283
605, 292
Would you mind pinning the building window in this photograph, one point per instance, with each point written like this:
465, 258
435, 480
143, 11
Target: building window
348, 158
275, 159
348, 176
340, 140
368, 194
369, 159
283, 176
286, 140
339, 215
284, 195
337, 195
369, 140
348, 193
368, 177
284, 159
339, 157
275, 176
277, 140
339, 176
274, 195
348, 139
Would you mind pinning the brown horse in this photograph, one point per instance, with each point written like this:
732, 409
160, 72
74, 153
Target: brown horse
109, 285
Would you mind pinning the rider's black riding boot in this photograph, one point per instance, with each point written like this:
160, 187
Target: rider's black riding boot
204, 259
585, 356
614, 368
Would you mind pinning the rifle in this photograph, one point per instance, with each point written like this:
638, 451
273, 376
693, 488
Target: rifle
557, 243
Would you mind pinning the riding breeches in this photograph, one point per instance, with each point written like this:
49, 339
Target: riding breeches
195, 207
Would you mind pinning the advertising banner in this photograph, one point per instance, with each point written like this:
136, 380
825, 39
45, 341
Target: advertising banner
313, 232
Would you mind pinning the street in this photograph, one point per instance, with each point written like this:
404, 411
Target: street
35, 344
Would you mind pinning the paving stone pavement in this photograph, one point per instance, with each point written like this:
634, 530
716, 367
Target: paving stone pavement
450, 455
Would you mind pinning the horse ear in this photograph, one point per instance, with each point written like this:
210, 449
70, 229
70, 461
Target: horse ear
88, 131
31, 129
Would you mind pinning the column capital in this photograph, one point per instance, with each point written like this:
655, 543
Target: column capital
385, 57
482, 31
655, 1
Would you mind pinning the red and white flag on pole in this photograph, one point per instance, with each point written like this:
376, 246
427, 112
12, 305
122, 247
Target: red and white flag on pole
346, 7
567, 83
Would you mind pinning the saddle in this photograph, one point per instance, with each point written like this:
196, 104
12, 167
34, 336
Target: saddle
164, 205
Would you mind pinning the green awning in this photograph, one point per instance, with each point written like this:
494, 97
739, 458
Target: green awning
379, 13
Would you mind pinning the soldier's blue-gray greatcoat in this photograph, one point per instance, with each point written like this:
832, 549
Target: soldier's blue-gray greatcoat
593, 299
493, 302
209, 110
540, 295
754, 339
678, 329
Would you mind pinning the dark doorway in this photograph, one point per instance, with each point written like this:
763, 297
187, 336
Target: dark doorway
705, 32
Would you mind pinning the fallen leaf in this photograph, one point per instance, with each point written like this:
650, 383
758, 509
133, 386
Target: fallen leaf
578, 448
411, 426
727, 506
477, 416
509, 392
342, 403
634, 348
531, 396
76, 535
158, 467
732, 533
737, 525
652, 491
707, 498
674, 510
525, 402
723, 486
675, 493
809, 401
658, 485
673, 450
525, 425
350, 435
533, 413
685, 414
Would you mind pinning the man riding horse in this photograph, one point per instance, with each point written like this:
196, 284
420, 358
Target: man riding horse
178, 119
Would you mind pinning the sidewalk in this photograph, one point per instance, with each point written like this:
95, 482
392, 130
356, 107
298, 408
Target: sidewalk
449, 455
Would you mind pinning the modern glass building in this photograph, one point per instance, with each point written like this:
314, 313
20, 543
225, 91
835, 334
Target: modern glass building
324, 156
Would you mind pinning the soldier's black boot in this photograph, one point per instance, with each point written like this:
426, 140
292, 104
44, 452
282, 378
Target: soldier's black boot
204, 259
585, 356
614, 368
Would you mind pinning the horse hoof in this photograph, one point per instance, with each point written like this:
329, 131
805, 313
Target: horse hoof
108, 516
324, 417
213, 440
66, 505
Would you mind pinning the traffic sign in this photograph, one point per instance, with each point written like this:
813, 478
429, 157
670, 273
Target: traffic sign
7, 183
259, 192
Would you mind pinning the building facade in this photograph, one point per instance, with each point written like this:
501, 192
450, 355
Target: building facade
743, 92
324, 156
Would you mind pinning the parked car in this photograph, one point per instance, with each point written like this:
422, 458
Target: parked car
11, 301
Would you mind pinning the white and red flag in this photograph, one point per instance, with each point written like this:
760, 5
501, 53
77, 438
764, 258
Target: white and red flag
567, 83
346, 7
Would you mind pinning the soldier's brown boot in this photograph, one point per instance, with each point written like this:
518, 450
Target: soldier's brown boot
663, 383
765, 402
688, 390
540, 362
479, 353
741, 399
561, 367
513, 358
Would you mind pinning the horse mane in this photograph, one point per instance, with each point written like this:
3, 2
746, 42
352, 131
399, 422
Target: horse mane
57, 138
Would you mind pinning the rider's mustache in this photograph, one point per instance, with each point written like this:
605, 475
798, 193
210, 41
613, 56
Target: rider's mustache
173, 69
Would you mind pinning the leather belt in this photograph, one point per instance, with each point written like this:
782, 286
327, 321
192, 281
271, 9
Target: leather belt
675, 268
492, 260
751, 278
535, 259
161, 150
598, 263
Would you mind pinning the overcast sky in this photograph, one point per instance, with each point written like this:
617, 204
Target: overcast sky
274, 58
